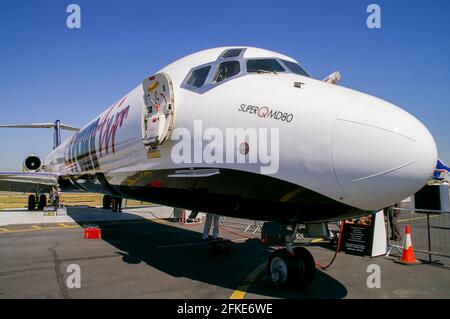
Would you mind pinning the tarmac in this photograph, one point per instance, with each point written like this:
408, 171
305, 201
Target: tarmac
143, 254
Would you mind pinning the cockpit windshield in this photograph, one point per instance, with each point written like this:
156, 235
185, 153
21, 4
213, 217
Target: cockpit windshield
232, 64
264, 66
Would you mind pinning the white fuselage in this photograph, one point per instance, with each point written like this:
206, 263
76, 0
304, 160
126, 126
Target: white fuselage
348, 146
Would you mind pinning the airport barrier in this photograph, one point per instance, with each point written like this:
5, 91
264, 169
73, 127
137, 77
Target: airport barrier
243, 225
430, 231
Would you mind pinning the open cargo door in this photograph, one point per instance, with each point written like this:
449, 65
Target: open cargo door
158, 119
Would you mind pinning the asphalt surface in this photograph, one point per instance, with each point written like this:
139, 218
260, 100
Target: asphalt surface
162, 259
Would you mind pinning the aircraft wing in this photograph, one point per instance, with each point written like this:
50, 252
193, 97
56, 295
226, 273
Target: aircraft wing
27, 182
42, 125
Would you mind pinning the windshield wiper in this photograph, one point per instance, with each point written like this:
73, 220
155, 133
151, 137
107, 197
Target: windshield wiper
266, 71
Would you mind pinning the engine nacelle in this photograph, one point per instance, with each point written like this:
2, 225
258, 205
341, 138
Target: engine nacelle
32, 164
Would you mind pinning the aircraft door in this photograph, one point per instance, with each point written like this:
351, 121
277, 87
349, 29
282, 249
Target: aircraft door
159, 104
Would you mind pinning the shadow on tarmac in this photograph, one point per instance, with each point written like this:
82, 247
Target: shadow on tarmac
180, 252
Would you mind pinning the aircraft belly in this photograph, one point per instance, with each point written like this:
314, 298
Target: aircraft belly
231, 193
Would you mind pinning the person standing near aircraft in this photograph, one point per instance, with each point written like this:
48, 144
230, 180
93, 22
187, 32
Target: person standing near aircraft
209, 219
393, 214
117, 204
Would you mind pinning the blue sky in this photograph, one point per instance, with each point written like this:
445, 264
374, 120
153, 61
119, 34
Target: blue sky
49, 72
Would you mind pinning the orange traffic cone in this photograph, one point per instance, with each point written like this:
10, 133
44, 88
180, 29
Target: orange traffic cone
408, 252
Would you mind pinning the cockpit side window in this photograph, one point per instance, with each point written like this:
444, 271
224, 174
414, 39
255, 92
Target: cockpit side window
198, 77
295, 68
264, 65
226, 70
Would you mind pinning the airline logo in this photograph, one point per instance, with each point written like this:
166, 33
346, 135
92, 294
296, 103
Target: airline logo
266, 113
96, 140
440, 170
108, 128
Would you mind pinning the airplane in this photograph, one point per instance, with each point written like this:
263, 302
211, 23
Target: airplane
337, 153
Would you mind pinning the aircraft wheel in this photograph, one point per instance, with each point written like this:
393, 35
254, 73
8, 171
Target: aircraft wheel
306, 266
107, 202
283, 269
31, 202
42, 202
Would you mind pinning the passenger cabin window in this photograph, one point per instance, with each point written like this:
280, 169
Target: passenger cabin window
226, 70
232, 53
198, 77
295, 68
264, 65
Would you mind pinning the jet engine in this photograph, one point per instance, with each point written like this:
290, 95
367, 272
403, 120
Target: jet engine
32, 164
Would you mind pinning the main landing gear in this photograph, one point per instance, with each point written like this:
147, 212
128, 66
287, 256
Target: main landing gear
291, 266
32, 201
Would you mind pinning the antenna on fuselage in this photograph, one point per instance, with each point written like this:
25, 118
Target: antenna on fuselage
57, 127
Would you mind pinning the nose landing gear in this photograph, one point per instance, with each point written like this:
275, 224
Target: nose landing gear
291, 266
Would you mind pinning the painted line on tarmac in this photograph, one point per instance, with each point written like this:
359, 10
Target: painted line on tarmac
60, 226
241, 291
35, 229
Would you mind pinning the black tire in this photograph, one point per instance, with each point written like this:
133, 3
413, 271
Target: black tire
283, 269
31, 202
107, 201
42, 202
306, 266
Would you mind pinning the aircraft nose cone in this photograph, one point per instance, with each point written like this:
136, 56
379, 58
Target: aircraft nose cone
381, 153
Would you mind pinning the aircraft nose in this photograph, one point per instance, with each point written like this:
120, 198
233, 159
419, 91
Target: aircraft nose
381, 153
